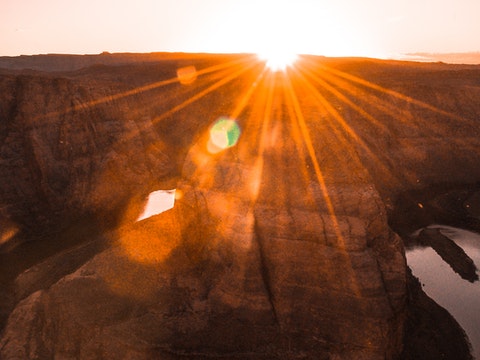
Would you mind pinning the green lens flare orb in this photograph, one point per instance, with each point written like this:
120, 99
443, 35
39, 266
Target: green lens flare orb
224, 133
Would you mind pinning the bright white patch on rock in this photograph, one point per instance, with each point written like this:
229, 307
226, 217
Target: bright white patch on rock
158, 202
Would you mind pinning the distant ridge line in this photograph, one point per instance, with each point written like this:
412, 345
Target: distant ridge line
471, 58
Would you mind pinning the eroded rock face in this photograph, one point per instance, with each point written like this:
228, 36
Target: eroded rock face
61, 156
85, 143
258, 259
322, 262
236, 286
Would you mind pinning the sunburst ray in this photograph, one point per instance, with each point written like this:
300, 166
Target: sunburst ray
320, 177
142, 89
239, 71
345, 133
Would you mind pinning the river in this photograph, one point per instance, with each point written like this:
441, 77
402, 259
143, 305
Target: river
459, 297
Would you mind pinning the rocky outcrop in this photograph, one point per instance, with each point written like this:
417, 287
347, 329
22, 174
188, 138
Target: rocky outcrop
60, 156
453, 204
227, 273
84, 144
450, 252
279, 246
295, 253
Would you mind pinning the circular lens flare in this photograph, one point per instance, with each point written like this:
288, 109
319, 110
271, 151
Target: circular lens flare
223, 134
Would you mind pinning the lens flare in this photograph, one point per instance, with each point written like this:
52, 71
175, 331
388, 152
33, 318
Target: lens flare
223, 134
187, 75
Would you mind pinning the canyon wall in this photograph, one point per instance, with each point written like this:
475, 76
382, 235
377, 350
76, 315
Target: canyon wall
277, 247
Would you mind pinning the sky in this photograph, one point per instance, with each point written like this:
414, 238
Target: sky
375, 28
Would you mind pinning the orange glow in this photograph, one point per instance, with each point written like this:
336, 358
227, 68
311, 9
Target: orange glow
7, 233
151, 241
225, 80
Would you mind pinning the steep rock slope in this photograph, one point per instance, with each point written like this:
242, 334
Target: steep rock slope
83, 144
240, 268
316, 254
58, 154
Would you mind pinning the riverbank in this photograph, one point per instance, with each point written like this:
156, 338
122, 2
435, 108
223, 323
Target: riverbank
431, 333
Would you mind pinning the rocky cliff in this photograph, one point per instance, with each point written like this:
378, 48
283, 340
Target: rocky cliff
84, 143
278, 246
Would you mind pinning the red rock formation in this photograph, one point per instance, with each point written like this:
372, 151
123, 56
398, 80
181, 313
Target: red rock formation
280, 245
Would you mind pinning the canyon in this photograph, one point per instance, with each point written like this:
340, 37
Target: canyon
285, 241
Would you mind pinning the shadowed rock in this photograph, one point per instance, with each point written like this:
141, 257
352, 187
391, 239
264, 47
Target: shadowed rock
429, 326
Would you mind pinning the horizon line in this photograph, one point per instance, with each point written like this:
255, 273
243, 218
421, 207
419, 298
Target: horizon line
472, 57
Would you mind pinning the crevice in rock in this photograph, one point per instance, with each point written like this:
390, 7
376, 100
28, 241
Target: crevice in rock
385, 286
265, 272
324, 230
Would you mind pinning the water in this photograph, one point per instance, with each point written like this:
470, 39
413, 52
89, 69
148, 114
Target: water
458, 296
158, 202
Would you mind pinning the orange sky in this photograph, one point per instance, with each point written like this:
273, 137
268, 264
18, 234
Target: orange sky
341, 27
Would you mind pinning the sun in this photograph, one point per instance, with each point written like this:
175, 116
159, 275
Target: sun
278, 60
